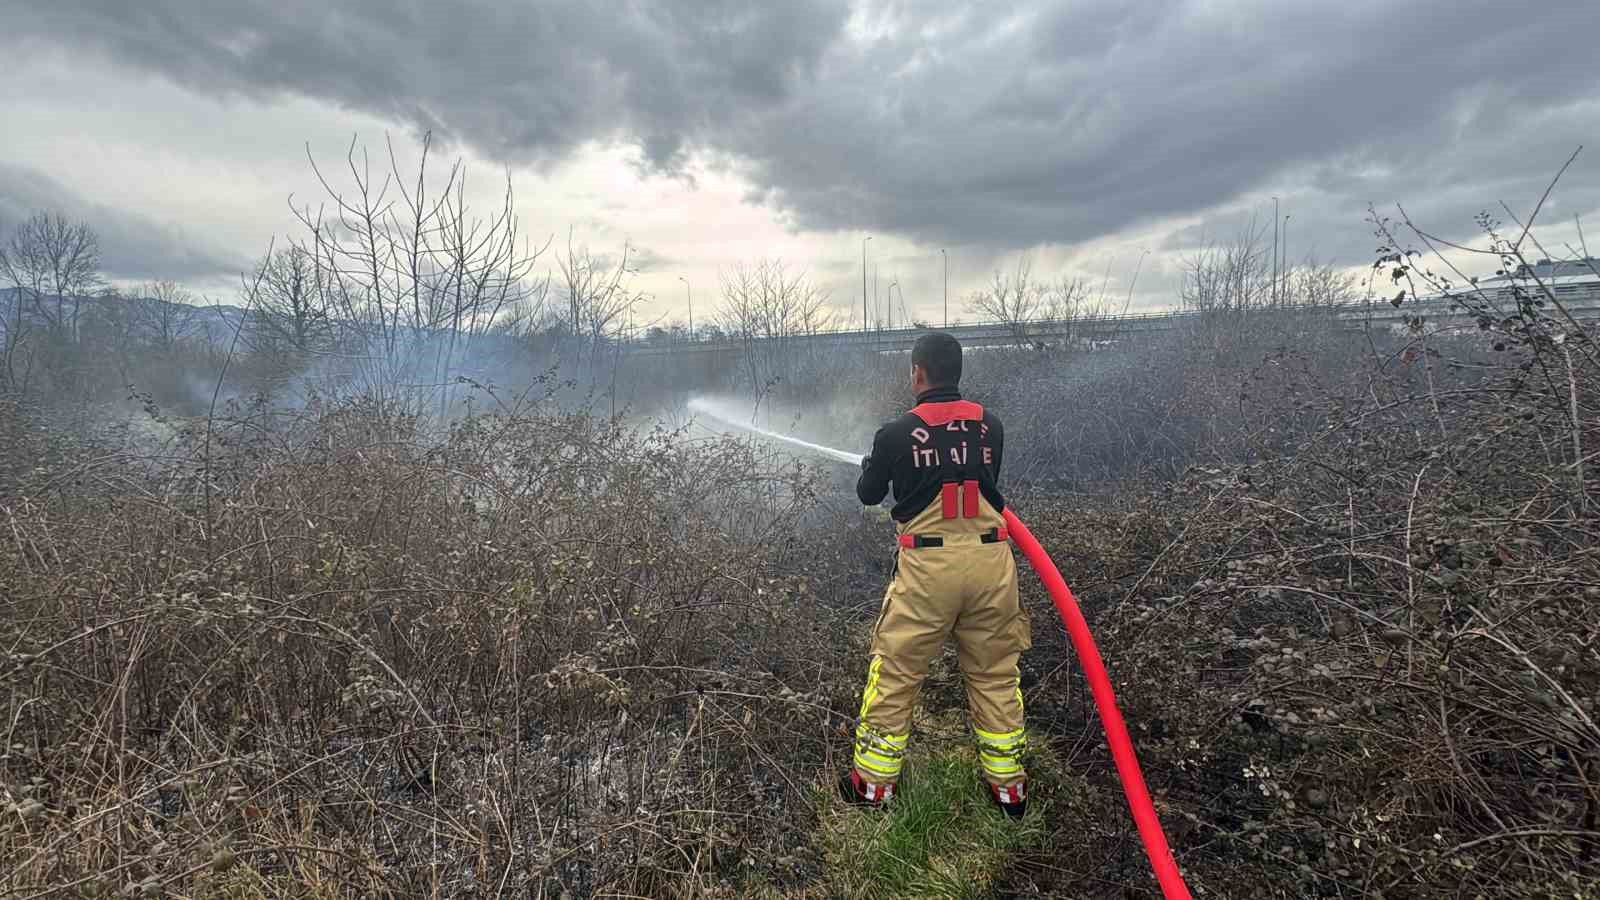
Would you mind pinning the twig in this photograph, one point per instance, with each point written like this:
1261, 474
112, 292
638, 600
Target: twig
1552, 186
216, 391
1522, 833
1411, 583
1577, 432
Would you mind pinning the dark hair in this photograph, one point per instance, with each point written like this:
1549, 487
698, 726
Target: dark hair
939, 355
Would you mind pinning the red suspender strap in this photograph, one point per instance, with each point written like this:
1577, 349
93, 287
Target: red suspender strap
962, 502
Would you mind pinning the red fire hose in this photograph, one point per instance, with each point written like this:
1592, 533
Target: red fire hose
1105, 700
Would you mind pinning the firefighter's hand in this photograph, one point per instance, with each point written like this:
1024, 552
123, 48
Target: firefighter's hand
866, 462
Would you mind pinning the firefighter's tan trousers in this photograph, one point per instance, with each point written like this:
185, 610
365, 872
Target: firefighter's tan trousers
968, 588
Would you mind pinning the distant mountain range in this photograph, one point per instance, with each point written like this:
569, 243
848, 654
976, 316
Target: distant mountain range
216, 321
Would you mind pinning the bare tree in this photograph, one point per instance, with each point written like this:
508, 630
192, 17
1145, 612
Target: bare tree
55, 265
52, 266
1234, 277
13, 316
111, 335
165, 314
529, 319
767, 308
1013, 300
405, 265
290, 313
598, 297
1072, 310
1022, 304
1322, 285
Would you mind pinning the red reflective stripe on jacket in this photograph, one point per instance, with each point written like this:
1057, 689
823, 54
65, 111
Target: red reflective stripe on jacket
934, 414
908, 541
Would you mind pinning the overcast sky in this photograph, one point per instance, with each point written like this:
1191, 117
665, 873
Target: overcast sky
707, 133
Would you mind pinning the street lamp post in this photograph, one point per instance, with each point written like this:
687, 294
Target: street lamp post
1286, 259
1275, 223
892, 286
864, 282
690, 291
946, 258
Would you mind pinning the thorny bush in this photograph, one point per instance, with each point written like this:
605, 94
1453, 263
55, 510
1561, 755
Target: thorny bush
1368, 667
542, 653
538, 653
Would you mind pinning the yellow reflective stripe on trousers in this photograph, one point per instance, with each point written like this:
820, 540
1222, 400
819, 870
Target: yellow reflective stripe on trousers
887, 769
888, 745
999, 752
1000, 763
871, 692
878, 753
1001, 769
1002, 740
877, 764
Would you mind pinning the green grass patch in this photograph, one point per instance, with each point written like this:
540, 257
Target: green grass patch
940, 837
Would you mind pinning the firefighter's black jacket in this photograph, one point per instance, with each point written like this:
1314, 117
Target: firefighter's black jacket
917, 458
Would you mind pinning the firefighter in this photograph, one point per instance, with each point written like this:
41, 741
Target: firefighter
954, 574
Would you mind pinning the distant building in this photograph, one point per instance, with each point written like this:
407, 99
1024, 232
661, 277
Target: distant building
1576, 280
1545, 270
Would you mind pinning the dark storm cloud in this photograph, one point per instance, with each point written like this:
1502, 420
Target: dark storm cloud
1076, 120
520, 81
993, 126
132, 247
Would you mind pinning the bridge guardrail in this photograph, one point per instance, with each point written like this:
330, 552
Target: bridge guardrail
1578, 298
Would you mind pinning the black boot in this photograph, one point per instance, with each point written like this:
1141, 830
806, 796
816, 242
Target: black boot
1012, 799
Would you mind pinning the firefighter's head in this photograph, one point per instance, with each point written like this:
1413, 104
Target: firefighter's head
935, 362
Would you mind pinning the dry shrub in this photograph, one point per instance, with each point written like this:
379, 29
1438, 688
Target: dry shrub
1368, 667
1346, 588
535, 653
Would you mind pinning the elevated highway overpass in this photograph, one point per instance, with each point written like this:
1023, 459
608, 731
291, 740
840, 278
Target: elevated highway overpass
1582, 300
